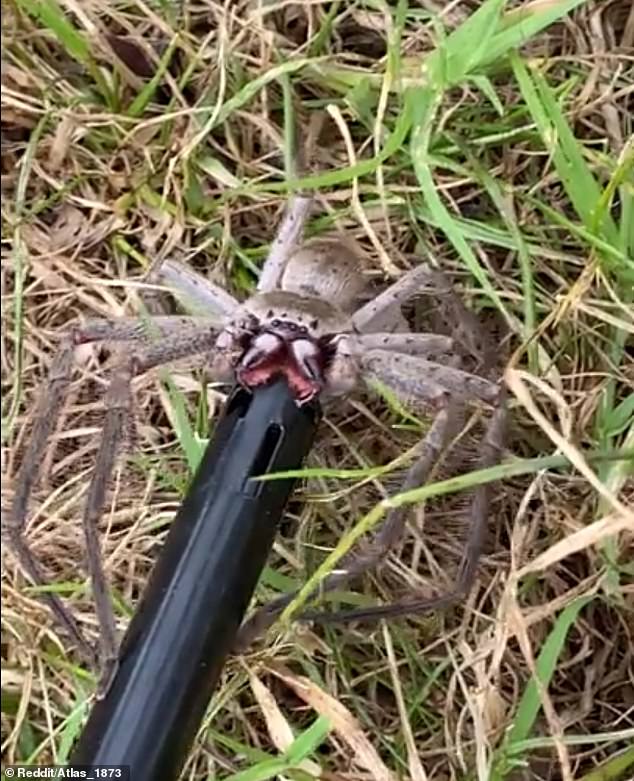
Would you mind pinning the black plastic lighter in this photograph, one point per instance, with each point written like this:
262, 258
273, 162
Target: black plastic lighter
176, 645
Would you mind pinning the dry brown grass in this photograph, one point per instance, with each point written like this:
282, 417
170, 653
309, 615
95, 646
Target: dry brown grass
91, 192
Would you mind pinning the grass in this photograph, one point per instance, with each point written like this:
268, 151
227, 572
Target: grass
491, 138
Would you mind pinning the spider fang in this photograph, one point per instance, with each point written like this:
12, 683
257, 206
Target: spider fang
271, 355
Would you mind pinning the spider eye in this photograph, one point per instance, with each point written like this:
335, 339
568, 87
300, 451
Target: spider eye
275, 323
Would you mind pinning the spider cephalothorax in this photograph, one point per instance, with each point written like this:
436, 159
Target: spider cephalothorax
283, 332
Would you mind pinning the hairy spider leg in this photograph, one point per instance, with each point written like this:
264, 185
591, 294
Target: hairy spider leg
177, 337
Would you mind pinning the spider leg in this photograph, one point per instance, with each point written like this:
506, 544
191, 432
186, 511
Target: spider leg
407, 343
46, 416
383, 312
410, 382
412, 377
288, 237
195, 293
478, 516
196, 341
369, 315
445, 426
48, 411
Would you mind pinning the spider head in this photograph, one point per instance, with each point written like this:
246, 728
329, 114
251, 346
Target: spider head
284, 334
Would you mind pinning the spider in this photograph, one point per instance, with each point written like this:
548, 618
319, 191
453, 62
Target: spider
308, 322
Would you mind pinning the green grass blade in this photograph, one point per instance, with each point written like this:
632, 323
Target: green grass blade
291, 150
488, 90
414, 496
622, 181
301, 748
580, 185
72, 729
487, 36
474, 230
500, 199
596, 739
613, 769
545, 665
268, 768
464, 50
183, 427
393, 144
426, 102
140, 103
49, 13
530, 702
251, 89
309, 740
51, 16
69, 729
613, 258
626, 190
520, 25
511, 468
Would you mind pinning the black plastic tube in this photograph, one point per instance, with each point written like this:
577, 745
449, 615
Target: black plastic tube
176, 645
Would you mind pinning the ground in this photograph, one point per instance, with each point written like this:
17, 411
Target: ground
495, 144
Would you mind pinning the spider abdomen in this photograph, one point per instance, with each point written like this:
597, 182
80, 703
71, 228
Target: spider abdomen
327, 269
